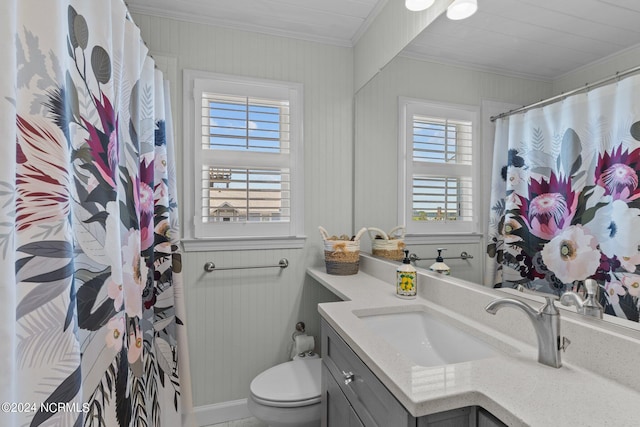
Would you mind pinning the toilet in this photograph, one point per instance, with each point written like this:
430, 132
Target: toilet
288, 394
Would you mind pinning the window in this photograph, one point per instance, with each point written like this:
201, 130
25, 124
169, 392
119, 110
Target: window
245, 162
438, 174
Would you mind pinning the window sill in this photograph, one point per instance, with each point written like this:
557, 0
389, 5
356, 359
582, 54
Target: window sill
242, 243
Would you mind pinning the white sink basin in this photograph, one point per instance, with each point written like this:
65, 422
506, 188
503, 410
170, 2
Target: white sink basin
426, 339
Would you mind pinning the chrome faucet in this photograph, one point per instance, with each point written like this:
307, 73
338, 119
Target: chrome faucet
546, 322
589, 306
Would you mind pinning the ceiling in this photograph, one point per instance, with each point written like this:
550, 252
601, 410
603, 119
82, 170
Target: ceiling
541, 39
336, 22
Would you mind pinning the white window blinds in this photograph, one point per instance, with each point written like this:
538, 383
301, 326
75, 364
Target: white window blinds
442, 141
245, 194
442, 185
248, 160
438, 167
245, 123
240, 130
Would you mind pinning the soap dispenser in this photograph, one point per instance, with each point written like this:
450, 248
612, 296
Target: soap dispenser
406, 279
439, 266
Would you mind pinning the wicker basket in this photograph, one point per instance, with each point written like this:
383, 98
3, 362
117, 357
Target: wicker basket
389, 246
342, 257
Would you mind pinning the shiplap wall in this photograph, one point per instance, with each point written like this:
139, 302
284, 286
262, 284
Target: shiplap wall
392, 29
603, 68
376, 139
240, 322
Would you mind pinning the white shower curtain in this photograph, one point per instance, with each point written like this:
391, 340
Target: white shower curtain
565, 202
90, 271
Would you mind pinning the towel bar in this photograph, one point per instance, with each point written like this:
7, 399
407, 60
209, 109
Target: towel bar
210, 266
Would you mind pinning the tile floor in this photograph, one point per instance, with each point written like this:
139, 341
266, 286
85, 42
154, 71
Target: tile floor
246, 422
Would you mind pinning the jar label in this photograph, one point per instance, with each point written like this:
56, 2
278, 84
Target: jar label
406, 283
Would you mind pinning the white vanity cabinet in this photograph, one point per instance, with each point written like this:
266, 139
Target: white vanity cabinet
353, 396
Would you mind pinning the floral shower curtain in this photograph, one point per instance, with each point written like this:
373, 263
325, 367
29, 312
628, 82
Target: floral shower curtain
90, 269
565, 202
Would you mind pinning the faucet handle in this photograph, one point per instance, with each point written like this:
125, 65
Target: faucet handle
592, 306
592, 287
549, 307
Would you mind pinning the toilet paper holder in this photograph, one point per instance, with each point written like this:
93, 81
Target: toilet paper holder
300, 329
301, 344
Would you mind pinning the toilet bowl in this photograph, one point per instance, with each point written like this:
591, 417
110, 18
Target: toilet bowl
288, 394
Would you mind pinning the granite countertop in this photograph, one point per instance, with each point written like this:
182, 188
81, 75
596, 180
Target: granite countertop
513, 386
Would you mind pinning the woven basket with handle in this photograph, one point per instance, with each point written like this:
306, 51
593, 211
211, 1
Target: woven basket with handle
341, 256
390, 246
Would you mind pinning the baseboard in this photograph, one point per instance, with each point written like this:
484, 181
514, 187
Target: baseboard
221, 412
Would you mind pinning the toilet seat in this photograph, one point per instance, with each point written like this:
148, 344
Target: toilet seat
289, 384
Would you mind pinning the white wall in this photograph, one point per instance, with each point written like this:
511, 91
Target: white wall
376, 136
240, 322
603, 68
392, 29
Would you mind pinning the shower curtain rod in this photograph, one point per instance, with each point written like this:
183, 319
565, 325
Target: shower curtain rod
618, 75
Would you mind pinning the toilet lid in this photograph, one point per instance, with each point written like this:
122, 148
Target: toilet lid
294, 383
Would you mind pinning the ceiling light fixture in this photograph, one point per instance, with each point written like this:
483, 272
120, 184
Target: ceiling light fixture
461, 9
418, 5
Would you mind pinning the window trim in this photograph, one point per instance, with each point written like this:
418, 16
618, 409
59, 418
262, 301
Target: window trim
417, 233
194, 83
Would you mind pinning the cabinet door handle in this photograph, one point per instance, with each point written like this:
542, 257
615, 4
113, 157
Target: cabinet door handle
348, 377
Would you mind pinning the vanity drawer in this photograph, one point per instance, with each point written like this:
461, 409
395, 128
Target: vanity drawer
370, 399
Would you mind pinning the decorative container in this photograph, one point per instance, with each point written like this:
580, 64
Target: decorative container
406, 279
389, 246
341, 254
